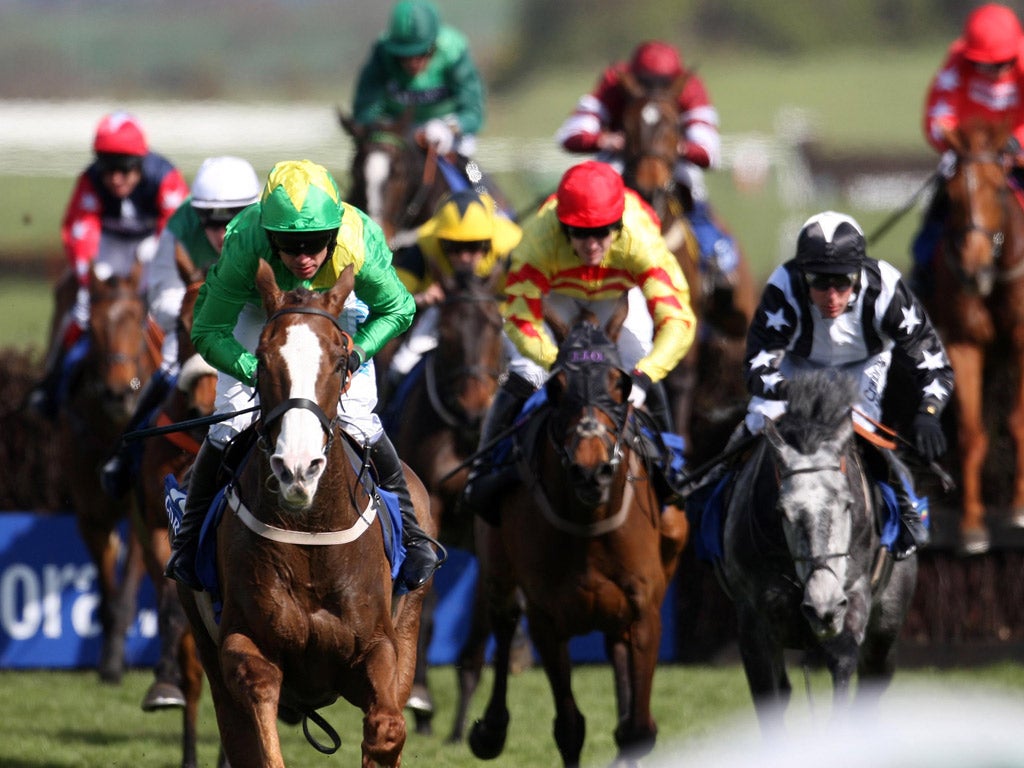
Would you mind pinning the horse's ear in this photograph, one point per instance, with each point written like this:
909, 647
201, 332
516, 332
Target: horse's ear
340, 290
187, 270
771, 433
135, 276
680, 83
267, 285
349, 125
955, 139
555, 387
631, 84
615, 322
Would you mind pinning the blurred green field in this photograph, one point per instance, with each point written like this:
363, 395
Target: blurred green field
67, 719
835, 98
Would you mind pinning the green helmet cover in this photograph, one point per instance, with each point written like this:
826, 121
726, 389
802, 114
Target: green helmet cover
413, 28
300, 196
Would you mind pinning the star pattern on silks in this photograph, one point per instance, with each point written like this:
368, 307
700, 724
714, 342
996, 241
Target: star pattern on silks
936, 390
762, 360
776, 320
910, 319
770, 380
940, 110
933, 361
947, 80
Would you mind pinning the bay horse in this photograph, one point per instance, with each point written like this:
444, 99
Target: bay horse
978, 308
396, 181
439, 429
802, 555
585, 540
706, 391
179, 674
308, 610
120, 356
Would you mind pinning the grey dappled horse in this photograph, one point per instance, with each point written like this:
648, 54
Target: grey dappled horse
802, 558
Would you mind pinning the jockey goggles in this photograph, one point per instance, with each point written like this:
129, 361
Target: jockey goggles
822, 281
217, 217
301, 243
598, 233
994, 67
110, 162
464, 246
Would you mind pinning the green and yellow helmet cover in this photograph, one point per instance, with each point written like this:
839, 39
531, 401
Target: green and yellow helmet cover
300, 196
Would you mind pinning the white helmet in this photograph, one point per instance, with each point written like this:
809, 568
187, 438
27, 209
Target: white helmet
225, 184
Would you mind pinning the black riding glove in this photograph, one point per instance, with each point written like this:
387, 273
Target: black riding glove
930, 440
356, 358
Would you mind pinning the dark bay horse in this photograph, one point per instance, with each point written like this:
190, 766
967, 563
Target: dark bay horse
706, 391
179, 674
395, 180
441, 418
978, 308
586, 541
308, 608
802, 554
102, 392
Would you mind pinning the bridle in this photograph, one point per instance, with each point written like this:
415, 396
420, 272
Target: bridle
327, 424
987, 275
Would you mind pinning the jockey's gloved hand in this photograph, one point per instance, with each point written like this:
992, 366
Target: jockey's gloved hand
641, 384
929, 439
356, 358
439, 133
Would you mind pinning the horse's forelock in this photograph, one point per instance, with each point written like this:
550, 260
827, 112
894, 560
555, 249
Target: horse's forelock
819, 404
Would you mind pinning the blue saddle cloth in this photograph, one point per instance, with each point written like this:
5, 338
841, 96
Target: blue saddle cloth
206, 556
391, 415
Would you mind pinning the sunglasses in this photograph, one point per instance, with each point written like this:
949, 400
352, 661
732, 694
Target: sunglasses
108, 163
993, 68
452, 247
217, 217
599, 233
300, 243
823, 281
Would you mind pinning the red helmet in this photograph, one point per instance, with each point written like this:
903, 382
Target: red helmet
120, 133
992, 34
656, 59
590, 194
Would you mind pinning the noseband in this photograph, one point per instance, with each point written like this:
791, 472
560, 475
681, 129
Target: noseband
284, 406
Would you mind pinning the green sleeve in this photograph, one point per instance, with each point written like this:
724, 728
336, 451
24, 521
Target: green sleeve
468, 88
391, 306
229, 286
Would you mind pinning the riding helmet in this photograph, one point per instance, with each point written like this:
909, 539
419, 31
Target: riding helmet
831, 243
467, 216
300, 196
656, 59
992, 34
590, 194
119, 133
225, 183
413, 29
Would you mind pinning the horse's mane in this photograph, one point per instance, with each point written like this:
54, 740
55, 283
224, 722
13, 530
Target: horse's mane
819, 403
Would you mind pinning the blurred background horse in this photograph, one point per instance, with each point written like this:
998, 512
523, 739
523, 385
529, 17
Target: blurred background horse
120, 351
178, 675
706, 390
978, 308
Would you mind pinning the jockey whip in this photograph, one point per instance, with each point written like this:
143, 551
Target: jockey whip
182, 426
948, 483
480, 452
886, 225
698, 472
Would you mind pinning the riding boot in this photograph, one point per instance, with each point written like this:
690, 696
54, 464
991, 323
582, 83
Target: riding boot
913, 508
420, 558
486, 480
116, 474
44, 397
202, 487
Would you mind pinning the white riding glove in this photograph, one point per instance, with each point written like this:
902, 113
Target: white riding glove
439, 133
638, 392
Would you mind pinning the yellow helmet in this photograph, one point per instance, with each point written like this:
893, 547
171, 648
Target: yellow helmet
467, 216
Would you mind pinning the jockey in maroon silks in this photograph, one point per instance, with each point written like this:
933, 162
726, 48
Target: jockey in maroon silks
596, 126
